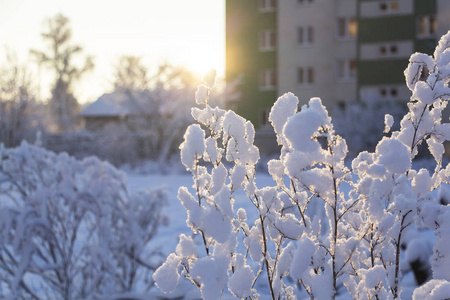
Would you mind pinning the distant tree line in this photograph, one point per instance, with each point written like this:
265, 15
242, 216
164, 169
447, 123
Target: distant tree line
162, 95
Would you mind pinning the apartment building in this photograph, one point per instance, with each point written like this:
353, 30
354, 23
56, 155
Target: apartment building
339, 50
251, 55
317, 49
389, 32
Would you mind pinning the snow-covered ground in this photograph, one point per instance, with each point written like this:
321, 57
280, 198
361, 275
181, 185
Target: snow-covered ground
167, 237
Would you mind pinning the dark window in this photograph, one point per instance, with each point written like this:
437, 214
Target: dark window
310, 35
300, 37
341, 104
394, 49
341, 68
305, 35
353, 67
264, 117
433, 25
267, 40
300, 77
273, 78
267, 79
310, 75
342, 27
273, 39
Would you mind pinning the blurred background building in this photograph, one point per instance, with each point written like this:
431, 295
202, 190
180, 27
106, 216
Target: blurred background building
343, 51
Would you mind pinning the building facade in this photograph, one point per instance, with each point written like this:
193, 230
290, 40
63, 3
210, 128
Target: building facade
339, 50
389, 32
251, 55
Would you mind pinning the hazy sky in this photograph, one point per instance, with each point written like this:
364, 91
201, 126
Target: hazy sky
188, 32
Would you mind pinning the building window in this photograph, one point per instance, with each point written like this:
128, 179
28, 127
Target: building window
394, 5
346, 69
390, 93
300, 77
305, 76
394, 49
353, 67
341, 104
310, 75
264, 117
388, 50
266, 5
427, 26
388, 6
305, 35
267, 79
300, 35
340, 69
310, 35
394, 93
267, 40
347, 28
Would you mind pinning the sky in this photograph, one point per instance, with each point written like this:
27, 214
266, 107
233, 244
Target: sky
181, 32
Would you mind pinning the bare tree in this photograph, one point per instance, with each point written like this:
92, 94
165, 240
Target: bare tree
130, 74
170, 76
18, 119
59, 59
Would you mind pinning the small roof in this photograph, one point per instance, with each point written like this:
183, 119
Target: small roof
111, 105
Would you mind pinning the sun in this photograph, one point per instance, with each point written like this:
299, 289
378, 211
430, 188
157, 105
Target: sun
203, 58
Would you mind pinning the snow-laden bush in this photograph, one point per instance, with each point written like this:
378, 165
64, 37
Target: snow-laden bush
323, 229
69, 229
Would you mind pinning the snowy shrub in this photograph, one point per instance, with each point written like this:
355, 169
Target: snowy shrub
323, 229
69, 229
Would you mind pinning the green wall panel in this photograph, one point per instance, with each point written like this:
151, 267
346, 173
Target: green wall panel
386, 29
422, 7
381, 72
243, 57
425, 46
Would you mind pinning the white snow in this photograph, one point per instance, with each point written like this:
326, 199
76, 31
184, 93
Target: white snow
193, 146
201, 95
433, 290
284, 108
112, 104
388, 122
